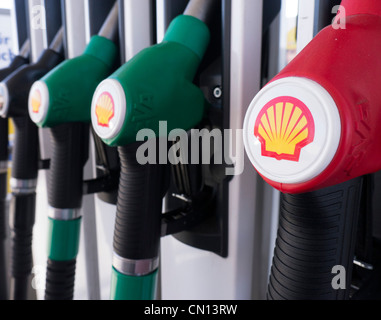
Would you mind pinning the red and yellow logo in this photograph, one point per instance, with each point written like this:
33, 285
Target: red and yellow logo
105, 109
284, 127
36, 101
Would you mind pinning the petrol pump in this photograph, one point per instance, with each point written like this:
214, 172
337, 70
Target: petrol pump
22, 58
218, 258
202, 216
110, 227
25, 154
60, 101
310, 133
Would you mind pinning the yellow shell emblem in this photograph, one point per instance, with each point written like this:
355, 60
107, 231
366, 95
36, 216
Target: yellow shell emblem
105, 109
284, 127
36, 101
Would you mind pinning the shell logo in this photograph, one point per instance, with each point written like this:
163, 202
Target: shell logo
36, 101
284, 127
105, 109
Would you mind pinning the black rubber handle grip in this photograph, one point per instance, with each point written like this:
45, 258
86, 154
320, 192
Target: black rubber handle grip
16, 63
4, 155
3, 220
3, 272
60, 279
3, 236
22, 218
20, 82
3, 200
317, 231
25, 150
69, 156
139, 206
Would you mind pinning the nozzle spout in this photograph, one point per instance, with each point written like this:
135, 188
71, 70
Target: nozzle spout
57, 44
201, 9
109, 29
25, 49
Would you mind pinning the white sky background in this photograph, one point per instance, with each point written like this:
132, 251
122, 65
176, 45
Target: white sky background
5, 4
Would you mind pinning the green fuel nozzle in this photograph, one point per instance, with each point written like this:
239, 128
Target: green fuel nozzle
61, 101
14, 91
155, 85
64, 94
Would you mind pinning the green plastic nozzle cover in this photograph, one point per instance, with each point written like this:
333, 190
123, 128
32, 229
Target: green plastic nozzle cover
72, 83
158, 82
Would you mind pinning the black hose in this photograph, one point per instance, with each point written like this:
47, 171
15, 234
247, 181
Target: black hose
25, 150
24, 166
4, 295
60, 279
138, 221
317, 231
69, 156
16, 63
22, 208
23, 211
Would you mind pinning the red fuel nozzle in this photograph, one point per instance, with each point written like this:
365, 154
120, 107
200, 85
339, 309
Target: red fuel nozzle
356, 7
316, 124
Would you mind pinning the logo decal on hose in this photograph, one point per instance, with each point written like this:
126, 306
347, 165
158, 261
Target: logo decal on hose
284, 127
105, 109
36, 101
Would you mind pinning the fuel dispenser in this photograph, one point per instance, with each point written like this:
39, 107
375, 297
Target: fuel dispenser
58, 101
218, 257
18, 61
311, 133
203, 212
134, 97
25, 161
178, 230
21, 59
88, 30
